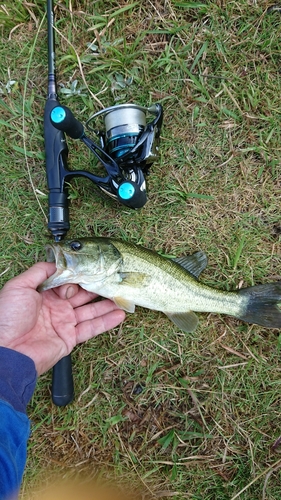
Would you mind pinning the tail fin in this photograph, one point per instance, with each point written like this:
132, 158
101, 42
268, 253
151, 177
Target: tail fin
263, 306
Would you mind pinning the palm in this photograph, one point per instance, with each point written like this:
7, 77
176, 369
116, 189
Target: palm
45, 326
49, 324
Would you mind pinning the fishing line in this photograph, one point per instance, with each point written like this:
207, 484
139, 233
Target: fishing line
80, 67
24, 135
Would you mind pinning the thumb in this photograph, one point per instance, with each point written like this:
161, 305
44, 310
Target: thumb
34, 276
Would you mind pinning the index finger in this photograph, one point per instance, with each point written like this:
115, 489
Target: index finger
76, 295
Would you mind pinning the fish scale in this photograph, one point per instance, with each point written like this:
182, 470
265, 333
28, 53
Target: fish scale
183, 292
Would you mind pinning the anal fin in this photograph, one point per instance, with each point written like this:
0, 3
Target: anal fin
186, 321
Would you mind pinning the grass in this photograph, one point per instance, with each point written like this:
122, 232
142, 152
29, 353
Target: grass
183, 416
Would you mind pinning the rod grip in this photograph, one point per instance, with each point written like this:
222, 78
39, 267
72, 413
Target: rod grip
62, 382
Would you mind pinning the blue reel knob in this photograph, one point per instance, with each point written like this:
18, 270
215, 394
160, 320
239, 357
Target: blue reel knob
126, 191
130, 194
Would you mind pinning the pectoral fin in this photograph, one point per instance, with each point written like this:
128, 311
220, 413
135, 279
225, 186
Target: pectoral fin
187, 321
124, 304
133, 279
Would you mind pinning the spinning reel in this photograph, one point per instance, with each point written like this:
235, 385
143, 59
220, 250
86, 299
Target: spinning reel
127, 147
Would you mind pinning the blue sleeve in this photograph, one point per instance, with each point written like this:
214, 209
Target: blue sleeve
17, 383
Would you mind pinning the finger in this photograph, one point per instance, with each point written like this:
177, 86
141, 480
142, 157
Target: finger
76, 295
34, 276
92, 328
82, 297
94, 310
66, 291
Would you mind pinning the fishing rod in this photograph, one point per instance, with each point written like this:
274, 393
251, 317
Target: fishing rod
56, 154
127, 146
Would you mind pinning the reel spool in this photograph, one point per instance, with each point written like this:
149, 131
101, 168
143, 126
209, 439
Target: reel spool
124, 126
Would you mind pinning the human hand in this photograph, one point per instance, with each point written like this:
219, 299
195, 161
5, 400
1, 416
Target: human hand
47, 326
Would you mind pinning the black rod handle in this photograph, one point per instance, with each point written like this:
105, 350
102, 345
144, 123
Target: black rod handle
62, 382
56, 152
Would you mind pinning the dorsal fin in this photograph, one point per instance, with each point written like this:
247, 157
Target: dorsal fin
194, 264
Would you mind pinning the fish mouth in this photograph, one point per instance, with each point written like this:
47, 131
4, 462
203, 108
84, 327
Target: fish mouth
51, 253
55, 254
63, 272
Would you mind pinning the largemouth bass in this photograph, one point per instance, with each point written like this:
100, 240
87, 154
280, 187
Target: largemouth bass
132, 275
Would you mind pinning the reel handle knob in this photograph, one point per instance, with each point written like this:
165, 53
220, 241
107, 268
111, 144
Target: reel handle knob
63, 119
130, 194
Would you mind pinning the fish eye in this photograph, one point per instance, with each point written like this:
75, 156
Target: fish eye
75, 245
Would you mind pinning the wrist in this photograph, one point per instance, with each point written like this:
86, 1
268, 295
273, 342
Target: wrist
17, 378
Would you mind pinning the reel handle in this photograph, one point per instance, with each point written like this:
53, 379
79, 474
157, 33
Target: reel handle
63, 119
130, 194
